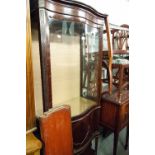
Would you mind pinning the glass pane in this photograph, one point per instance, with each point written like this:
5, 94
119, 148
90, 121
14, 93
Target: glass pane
90, 51
74, 48
37, 73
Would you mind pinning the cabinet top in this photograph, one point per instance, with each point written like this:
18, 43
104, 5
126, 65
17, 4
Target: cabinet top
68, 7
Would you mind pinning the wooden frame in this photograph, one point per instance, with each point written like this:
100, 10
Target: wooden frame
70, 10
42, 11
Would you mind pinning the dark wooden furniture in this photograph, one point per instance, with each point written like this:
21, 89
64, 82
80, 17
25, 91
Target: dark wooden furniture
121, 78
120, 38
67, 35
85, 129
115, 114
120, 75
56, 131
115, 106
120, 54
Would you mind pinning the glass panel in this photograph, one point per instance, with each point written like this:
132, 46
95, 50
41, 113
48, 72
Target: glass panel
105, 63
74, 59
36, 73
90, 51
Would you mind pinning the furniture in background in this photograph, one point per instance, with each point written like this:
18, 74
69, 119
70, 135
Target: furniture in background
115, 114
33, 145
121, 78
56, 131
120, 38
120, 66
120, 62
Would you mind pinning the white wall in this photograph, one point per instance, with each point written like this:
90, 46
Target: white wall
117, 10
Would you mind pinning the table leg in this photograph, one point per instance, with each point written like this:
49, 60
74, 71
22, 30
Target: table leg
127, 138
116, 135
96, 145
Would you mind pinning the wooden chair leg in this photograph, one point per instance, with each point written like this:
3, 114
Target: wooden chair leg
96, 145
116, 135
127, 138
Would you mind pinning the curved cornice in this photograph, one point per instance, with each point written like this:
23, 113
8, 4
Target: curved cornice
81, 5
70, 3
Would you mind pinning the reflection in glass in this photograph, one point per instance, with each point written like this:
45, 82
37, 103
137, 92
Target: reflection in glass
74, 60
90, 50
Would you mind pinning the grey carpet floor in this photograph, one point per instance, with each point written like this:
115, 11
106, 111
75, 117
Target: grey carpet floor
105, 145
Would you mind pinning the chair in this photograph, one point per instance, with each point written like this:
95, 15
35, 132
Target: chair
120, 64
56, 131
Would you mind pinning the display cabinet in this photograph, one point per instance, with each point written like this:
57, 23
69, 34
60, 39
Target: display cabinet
67, 52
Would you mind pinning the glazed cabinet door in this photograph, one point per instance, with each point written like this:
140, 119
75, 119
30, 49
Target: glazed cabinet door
74, 55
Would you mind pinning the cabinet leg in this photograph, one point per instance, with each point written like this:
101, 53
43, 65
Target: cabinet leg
96, 145
116, 135
127, 138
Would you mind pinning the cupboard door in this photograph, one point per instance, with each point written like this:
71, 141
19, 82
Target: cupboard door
85, 128
74, 55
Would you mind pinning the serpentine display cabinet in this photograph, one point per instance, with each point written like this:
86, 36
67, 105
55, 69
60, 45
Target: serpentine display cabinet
67, 54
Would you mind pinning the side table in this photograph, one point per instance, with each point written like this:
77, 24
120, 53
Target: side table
115, 114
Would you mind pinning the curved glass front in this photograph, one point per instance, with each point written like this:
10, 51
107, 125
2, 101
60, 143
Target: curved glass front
74, 51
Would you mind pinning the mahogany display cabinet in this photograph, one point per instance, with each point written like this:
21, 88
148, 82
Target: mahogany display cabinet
67, 49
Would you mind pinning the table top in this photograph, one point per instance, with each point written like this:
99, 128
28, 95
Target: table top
78, 105
116, 96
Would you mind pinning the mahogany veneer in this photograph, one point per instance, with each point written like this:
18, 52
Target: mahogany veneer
115, 114
43, 13
56, 131
85, 128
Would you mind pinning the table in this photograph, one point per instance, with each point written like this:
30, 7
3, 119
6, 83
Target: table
115, 114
